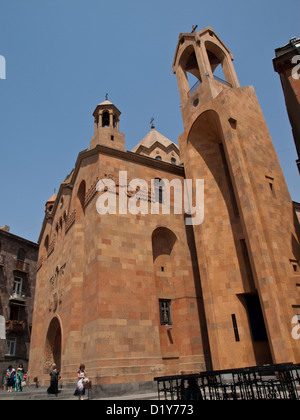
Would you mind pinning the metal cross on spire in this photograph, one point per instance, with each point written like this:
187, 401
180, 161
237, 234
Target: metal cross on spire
106, 96
151, 122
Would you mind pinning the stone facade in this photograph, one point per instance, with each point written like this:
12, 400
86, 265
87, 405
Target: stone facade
18, 258
139, 295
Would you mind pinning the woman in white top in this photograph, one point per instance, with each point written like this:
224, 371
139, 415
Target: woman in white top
80, 390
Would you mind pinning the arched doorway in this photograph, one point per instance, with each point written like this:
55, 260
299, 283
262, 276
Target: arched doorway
52, 353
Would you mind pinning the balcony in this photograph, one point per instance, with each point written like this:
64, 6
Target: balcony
21, 265
20, 298
15, 326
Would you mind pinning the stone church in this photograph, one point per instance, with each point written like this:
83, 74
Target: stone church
136, 295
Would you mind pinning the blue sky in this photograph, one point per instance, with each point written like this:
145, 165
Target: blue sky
63, 56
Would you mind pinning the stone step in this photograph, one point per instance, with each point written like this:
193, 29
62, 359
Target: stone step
68, 394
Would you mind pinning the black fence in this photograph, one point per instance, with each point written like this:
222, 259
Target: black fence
253, 383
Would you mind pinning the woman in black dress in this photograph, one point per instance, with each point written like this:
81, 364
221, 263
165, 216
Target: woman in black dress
54, 378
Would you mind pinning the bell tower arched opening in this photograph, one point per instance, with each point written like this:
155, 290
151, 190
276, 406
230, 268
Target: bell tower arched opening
190, 67
220, 63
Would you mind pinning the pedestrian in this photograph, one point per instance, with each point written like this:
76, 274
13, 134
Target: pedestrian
54, 378
80, 389
10, 373
193, 391
19, 377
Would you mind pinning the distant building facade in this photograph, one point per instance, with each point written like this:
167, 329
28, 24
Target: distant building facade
18, 258
287, 65
139, 295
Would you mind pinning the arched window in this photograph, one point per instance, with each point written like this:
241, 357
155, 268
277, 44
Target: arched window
191, 70
21, 255
219, 63
163, 241
81, 198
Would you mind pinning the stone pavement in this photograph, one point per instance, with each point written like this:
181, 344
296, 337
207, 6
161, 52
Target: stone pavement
66, 393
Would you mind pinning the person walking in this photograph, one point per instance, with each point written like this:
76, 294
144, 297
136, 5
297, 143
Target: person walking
80, 389
10, 374
54, 378
19, 377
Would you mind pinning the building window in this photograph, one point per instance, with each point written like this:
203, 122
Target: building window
105, 119
21, 255
158, 158
11, 346
173, 160
165, 312
17, 287
295, 266
270, 180
159, 190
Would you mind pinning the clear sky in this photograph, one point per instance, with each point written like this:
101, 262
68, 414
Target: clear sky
63, 56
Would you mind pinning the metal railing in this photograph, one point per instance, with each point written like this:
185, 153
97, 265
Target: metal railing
224, 82
198, 83
194, 87
253, 383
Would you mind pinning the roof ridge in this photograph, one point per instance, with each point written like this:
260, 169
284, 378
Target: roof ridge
152, 137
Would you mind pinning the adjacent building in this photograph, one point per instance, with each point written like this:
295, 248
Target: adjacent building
18, 258
287, 65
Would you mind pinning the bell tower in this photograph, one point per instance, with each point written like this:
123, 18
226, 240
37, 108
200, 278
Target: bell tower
204, 64
106, 120
244, 244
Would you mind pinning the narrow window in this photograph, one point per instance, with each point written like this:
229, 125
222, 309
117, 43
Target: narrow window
159, 190
235, 328
21, 255
271, 184
112, 138
162, 269
165, 312
294, 264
